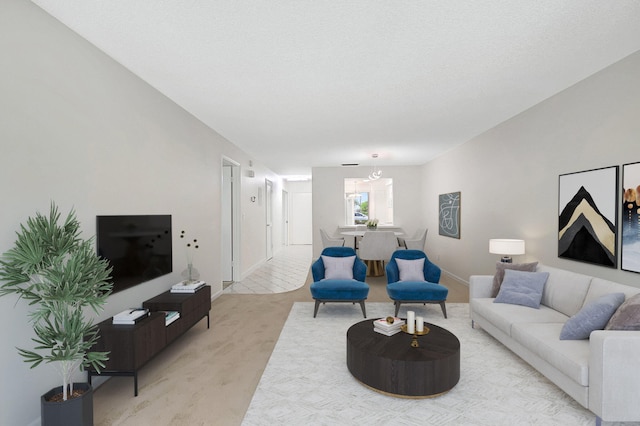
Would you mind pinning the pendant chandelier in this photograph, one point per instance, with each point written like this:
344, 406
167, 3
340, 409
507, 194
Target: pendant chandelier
376, 173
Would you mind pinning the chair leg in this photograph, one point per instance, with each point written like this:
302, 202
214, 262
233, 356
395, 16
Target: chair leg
444, 308
397, 307
315, 309
364, 312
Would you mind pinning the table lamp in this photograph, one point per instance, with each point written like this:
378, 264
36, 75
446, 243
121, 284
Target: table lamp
506, 248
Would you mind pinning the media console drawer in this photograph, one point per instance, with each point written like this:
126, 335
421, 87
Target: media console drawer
192, 307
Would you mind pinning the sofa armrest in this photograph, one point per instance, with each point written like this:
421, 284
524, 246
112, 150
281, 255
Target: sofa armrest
614, 375
480, 286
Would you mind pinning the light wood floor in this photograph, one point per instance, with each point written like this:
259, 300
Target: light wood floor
208, 376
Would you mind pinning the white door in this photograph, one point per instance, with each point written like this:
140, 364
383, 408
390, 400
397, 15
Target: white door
285, 218
268, 206
300, 219
229, 220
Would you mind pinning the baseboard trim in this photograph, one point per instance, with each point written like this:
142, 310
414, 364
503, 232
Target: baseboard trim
456, 278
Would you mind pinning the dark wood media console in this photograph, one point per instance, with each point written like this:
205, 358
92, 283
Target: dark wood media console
132, 346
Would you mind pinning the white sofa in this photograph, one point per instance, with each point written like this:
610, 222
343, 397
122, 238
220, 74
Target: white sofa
602, 373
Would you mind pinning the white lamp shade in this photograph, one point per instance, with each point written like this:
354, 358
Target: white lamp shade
506, 247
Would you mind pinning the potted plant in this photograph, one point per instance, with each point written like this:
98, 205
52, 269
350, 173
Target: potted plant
372, 224
59, 275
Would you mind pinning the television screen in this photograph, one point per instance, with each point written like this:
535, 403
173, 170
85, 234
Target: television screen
137, 247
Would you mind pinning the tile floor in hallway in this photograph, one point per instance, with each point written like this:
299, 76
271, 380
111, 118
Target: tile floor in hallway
286, 271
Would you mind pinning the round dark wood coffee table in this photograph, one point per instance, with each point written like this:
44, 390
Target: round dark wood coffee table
390, 364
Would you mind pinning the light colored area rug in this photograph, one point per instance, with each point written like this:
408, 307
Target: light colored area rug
307, 381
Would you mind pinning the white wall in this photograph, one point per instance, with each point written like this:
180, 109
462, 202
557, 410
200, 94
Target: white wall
328, 198
253, 216
508, 176
79, 129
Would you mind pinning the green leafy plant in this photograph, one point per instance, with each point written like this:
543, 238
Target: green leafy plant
59, 274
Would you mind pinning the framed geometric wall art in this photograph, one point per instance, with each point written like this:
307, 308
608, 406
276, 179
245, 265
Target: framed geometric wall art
630, 226
588, 216
449, 214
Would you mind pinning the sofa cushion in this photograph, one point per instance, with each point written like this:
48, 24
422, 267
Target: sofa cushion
417, 290
627, 317
564, 291
338, 268
522, 288
571, 357
411, 270
599, 287
503, 315
339, 290
501, 267
593, 316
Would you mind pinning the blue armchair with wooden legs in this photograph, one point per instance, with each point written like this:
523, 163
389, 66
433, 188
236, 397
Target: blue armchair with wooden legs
412, 278
338, 276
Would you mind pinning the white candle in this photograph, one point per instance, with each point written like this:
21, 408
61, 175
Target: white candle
411, 322
419, 324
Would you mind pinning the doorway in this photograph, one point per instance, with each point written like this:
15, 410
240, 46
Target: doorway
269, 216
285, 218
230, 221
301, 218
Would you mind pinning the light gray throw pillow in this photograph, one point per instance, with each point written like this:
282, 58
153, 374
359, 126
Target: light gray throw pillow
338, 268
501, 267
522, 288
593, 316
411, 270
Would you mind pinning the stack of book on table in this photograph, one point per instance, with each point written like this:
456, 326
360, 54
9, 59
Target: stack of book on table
187, 287
130, 316
383, 326
170, 316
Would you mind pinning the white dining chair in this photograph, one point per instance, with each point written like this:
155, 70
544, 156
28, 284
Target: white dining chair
416, 242
329, 241
376, 248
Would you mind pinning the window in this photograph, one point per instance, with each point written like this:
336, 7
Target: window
365, 199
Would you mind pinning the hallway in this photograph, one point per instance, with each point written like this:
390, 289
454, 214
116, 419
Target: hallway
286, 271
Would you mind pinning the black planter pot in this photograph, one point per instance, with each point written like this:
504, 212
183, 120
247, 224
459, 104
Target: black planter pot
72, 412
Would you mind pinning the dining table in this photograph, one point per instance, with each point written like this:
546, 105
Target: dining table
356, 234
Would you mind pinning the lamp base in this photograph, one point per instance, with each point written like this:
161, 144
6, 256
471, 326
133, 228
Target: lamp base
506, 259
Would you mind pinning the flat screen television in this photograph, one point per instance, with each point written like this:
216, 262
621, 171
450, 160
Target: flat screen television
138, 247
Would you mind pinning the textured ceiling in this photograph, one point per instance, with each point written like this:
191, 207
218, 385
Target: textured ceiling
303, 83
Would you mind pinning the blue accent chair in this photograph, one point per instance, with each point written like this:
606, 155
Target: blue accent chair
339, 290
415, 291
